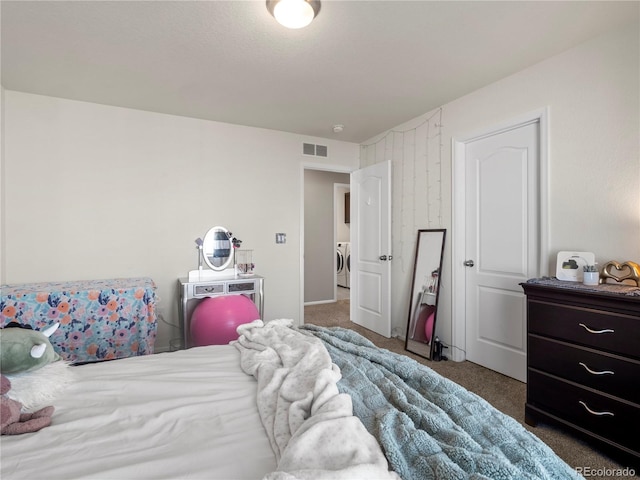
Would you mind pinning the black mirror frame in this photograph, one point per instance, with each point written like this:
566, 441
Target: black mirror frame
412, 299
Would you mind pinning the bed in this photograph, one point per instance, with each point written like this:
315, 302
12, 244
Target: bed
280, 403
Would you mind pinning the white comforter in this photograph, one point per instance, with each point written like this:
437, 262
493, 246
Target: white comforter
310, 425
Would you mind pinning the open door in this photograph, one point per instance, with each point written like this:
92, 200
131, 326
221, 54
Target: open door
371, 248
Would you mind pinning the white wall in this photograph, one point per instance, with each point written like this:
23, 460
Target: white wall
592, 92
95, 192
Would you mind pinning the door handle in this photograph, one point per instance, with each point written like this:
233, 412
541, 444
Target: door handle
383, 257
468, 263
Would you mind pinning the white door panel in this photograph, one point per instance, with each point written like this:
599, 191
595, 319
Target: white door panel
368, 211
502, 189
371, 248
502, 234
494, 326
370, 292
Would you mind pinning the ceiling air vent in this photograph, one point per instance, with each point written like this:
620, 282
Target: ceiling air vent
314, 150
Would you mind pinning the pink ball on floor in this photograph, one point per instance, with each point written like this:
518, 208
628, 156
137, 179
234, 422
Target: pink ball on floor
215, 319
428, 326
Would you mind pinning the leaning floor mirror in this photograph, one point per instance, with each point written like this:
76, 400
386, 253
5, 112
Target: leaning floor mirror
425, 289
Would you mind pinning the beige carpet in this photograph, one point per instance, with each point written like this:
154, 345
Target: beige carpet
504, 393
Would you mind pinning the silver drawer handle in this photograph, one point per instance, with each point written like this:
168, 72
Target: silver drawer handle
593, 372
591, 411
606, 330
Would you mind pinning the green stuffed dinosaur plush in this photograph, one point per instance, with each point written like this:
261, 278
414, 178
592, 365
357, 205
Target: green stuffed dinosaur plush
24, 350
31, 374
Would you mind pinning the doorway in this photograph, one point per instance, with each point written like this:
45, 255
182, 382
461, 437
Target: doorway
370, 214
322, 187
500, 220
342, 222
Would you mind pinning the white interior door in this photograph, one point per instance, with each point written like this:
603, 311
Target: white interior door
502, 245
371, 248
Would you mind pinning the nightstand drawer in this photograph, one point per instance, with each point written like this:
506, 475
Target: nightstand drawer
206, 290
608, 331
596, 413
610, 374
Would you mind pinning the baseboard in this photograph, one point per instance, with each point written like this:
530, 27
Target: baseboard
319, 302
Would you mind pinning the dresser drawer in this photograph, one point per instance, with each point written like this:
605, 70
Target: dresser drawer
608, 418
611, 374
608, 331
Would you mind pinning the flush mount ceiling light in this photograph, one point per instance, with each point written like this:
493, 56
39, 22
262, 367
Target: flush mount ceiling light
294, 13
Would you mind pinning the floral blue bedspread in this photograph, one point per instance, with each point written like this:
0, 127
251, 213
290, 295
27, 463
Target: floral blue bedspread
428, 426
99, 319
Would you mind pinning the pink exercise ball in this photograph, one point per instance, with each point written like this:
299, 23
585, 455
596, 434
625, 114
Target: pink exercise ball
215, 319
428, 326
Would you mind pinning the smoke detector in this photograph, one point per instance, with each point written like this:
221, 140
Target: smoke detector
338, 128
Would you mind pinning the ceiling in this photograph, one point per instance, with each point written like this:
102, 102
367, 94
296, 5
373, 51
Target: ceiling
369, 65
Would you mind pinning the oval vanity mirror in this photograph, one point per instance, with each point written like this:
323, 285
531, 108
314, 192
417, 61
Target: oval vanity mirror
217, 248
425, 290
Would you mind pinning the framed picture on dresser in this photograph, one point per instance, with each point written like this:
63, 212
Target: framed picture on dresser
570, 264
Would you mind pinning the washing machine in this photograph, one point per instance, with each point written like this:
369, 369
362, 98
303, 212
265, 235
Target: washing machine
341, 265
347, 263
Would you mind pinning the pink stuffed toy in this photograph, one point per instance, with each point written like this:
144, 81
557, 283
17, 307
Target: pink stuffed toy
12, 421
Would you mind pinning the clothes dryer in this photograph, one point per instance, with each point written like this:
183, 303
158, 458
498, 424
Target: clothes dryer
341, 265
347, 263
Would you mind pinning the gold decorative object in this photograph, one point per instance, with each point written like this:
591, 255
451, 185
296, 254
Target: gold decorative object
620, 272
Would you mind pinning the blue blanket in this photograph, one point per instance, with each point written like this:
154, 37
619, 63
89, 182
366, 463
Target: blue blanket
428, 426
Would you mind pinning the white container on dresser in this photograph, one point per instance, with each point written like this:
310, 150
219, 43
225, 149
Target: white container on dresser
583, 362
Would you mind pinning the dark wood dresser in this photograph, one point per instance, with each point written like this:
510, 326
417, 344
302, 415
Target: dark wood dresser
583, 362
